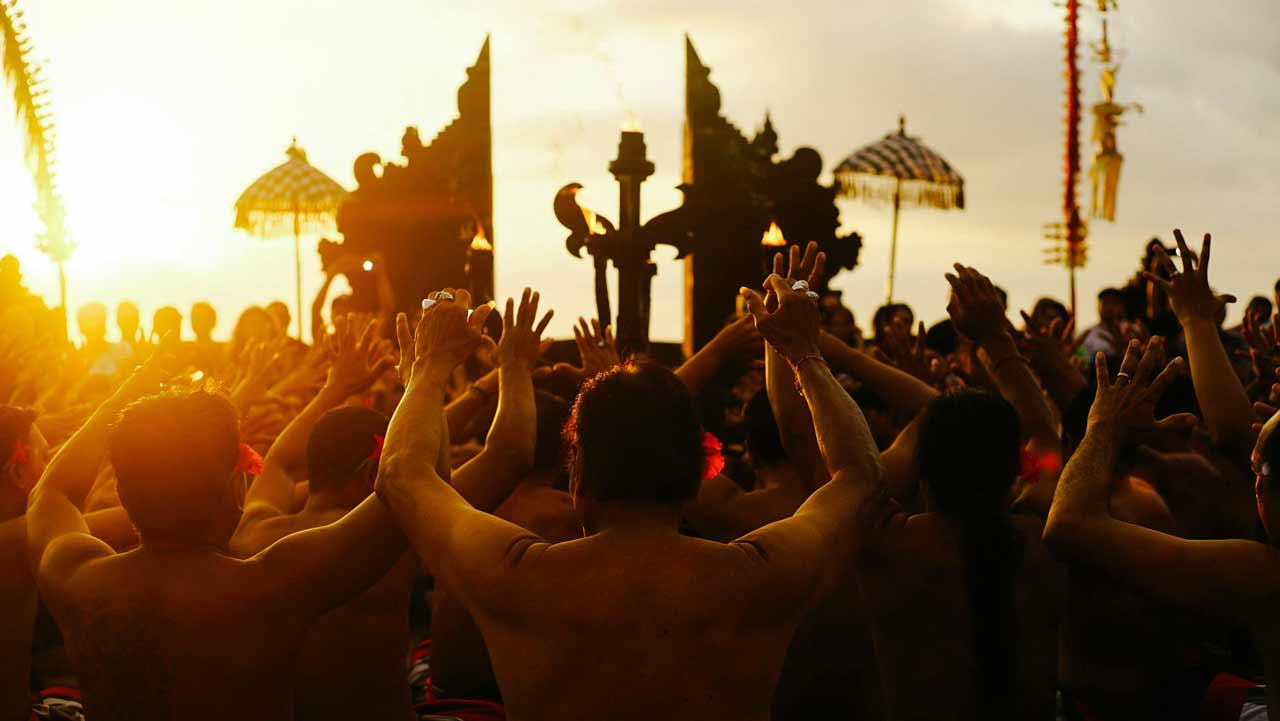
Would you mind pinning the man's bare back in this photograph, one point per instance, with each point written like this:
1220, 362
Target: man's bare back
353, 660
626, 627
17, 621
917, 589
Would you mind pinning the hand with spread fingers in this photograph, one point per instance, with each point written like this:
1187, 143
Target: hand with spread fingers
792, 328
596, 346
975, 306
447, 333
521, 342
1189, 291
357, 361
804, 271
1127, 404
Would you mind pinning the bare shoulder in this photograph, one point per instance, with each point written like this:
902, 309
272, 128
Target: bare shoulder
547, 512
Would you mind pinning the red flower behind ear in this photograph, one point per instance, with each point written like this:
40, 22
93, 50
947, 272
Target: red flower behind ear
249, 461
377, 447
712, 461
1034, 463
21, 455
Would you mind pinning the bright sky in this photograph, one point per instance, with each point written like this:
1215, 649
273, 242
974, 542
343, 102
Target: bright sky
166, 110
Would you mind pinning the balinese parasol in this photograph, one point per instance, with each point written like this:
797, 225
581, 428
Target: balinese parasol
899, 168
292, 195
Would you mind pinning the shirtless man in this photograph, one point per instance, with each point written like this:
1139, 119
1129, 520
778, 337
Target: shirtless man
635, 621
353, 663
23, 454
178, 628
1235, 580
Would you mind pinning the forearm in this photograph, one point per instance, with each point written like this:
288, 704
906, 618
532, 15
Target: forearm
701, 368
791, 414
908, 393
1083, 491
464, 409
74, 469
1018, 384
1227, 410
289, 451
844, 438
414, 435
317, 310
486, 480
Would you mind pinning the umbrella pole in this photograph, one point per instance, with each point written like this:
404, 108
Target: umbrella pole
297, 266
893, 239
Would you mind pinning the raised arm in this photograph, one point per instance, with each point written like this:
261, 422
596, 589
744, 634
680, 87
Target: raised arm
1228, 413
355, 366
836, 513
736, 340
465, 549
59, 540
1232, 579
486, 480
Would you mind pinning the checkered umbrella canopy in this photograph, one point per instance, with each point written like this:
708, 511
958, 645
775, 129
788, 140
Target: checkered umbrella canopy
900, 169
291, 197
901, 163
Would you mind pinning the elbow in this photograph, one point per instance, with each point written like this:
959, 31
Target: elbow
1061, 531
865, 465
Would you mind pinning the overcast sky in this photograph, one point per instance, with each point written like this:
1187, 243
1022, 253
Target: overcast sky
166, 110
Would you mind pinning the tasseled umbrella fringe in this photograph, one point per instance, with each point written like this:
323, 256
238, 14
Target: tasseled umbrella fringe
920, 193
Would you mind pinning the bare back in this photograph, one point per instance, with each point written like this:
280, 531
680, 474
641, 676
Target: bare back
654, 627
353, 663
917, 588
151, 633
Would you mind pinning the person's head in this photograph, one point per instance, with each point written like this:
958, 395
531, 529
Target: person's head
91, 319
941, 338
884, 430
634, 440
1275, 292
10, 271
888, 316
839, 322
342, 305
1266, 470
341, 452
1259, 309
175, 458
23, 456
127, 320
1047, 310
969, 452
254, 325
165, 321
279, 313
203, 319
1111, 306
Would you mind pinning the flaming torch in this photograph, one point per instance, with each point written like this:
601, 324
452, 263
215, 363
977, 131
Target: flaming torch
771, 242
480, 264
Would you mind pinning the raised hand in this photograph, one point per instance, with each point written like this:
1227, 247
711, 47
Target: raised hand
447, 334
358, 359
521, 342
1189, 291
975, 306
792, 328
910, 354
1126, 405
152, 373
596, 346
808, 267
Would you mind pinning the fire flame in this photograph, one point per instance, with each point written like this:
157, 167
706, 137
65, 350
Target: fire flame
480, 242
594, 226
631, 125
773, 236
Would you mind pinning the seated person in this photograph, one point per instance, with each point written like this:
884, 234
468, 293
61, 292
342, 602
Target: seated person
178, 628
635, 620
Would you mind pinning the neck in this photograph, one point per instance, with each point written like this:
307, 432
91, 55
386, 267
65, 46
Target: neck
632, 518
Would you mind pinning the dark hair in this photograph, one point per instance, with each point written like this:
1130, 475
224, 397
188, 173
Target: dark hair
1052, 306
763, 441
1111, 293
173, 455
968, 455
340, 443
1260, 301
634, 437
884, 316
941, 338
15, 425
552, 414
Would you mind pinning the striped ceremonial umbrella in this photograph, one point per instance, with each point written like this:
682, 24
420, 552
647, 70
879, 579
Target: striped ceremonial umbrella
291, 196
899, 168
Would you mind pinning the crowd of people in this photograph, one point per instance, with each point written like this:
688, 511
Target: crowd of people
423, 517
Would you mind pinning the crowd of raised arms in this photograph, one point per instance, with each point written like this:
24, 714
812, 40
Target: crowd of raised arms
423, 518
